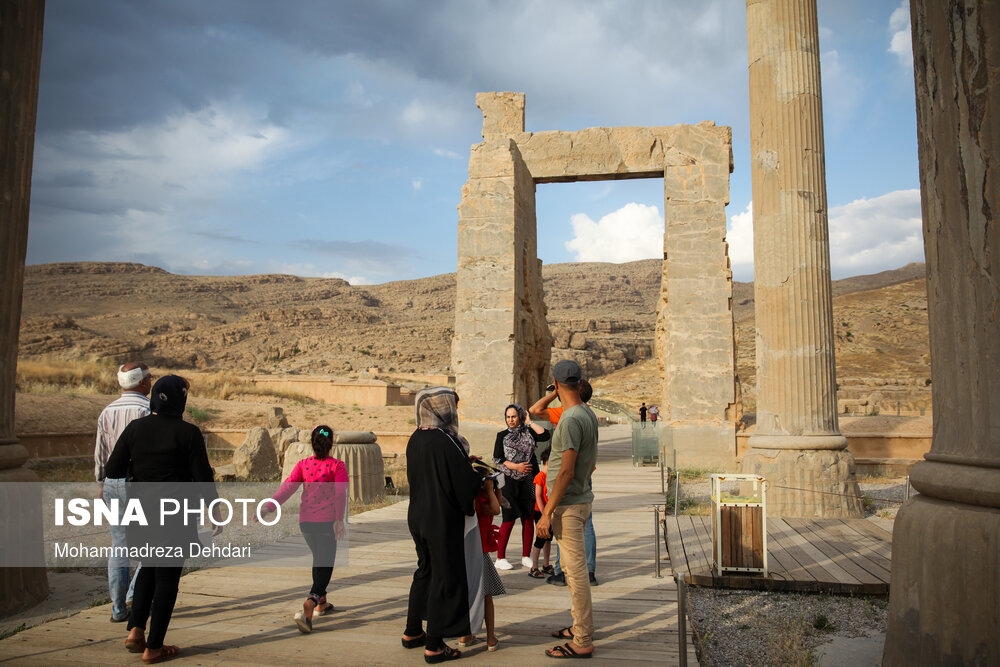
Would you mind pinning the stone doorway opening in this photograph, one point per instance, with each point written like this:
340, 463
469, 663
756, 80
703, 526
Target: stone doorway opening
601, 245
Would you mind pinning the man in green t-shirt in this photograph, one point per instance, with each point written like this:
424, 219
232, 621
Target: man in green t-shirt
571, 463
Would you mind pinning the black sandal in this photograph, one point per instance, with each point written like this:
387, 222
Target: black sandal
448, 653
566, 651
416, 642
564, 633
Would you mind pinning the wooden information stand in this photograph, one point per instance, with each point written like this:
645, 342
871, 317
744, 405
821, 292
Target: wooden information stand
739, 525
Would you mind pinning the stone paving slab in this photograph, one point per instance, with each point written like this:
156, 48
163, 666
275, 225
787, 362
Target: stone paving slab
243, 615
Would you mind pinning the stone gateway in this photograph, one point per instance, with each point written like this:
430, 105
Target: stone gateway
502, 343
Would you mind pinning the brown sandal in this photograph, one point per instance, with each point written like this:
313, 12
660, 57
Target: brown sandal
166, 653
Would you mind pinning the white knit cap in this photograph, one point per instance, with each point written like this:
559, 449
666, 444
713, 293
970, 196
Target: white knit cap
133, 378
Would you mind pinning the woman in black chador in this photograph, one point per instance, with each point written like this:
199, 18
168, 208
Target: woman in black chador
447, 586
158, 454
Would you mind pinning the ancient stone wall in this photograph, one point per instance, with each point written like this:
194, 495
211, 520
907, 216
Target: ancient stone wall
500, 349
502, 342
694, 331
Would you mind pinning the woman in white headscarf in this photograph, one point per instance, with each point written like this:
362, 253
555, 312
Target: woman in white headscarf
514, 454
447, 588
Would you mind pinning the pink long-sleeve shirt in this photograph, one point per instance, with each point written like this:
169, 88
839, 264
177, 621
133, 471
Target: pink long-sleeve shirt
324, 489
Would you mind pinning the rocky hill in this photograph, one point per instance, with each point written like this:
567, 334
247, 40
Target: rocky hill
602, 314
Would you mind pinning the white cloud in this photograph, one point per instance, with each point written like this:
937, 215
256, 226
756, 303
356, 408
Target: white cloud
450, 154
872, 235
418, 185
356, 95
866, 236
353, 280
633, 232
739, 236
842, 89
900, 43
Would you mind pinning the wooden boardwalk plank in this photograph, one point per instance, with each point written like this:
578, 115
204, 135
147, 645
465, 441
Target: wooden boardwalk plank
835, 551
832, 555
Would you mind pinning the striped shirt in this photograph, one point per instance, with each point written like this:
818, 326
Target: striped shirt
111, 423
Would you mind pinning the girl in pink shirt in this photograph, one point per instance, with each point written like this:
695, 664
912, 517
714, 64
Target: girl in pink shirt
321, 516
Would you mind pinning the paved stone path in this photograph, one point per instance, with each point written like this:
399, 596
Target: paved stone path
242, 615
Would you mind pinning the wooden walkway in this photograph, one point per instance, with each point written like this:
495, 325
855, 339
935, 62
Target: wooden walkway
242, 615
815, 555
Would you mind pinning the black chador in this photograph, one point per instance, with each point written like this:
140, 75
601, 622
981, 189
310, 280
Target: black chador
447, 586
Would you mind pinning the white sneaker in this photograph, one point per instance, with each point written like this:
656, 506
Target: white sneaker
503, 564
526, 561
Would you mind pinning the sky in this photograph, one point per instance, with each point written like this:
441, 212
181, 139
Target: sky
323, 138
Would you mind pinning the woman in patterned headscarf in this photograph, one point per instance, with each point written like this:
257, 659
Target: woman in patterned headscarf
514, 453
447, 588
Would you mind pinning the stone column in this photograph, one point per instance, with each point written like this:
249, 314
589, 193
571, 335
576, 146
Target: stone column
500, 352
797, 441
944, 605
20, 61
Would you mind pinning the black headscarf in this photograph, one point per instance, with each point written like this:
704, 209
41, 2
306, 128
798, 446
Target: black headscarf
169, 396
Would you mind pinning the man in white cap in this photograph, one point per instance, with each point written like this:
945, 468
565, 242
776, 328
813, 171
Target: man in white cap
136, 381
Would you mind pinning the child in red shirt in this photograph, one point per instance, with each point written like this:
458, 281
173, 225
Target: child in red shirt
541, 545
487, 507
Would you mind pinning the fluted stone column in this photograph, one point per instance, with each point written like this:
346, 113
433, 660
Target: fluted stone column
944, 603
20, 59
797, 441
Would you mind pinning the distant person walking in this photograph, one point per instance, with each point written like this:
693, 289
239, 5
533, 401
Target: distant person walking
324, 483
654, 414
135, 380
571, 464
642, 414
514, 454
447, 584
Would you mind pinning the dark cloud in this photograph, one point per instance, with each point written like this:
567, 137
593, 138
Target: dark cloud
67, 178
219, 236
116, 63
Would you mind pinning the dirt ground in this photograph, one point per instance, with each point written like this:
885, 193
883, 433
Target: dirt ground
68, 413
75, 413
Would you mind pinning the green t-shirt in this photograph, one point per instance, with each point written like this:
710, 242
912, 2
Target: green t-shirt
577, 430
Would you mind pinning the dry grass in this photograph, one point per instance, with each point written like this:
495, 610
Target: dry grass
63, 469
61, 376
786, 643
51, 375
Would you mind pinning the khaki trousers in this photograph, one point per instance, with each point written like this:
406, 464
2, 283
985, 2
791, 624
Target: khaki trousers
568, 522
